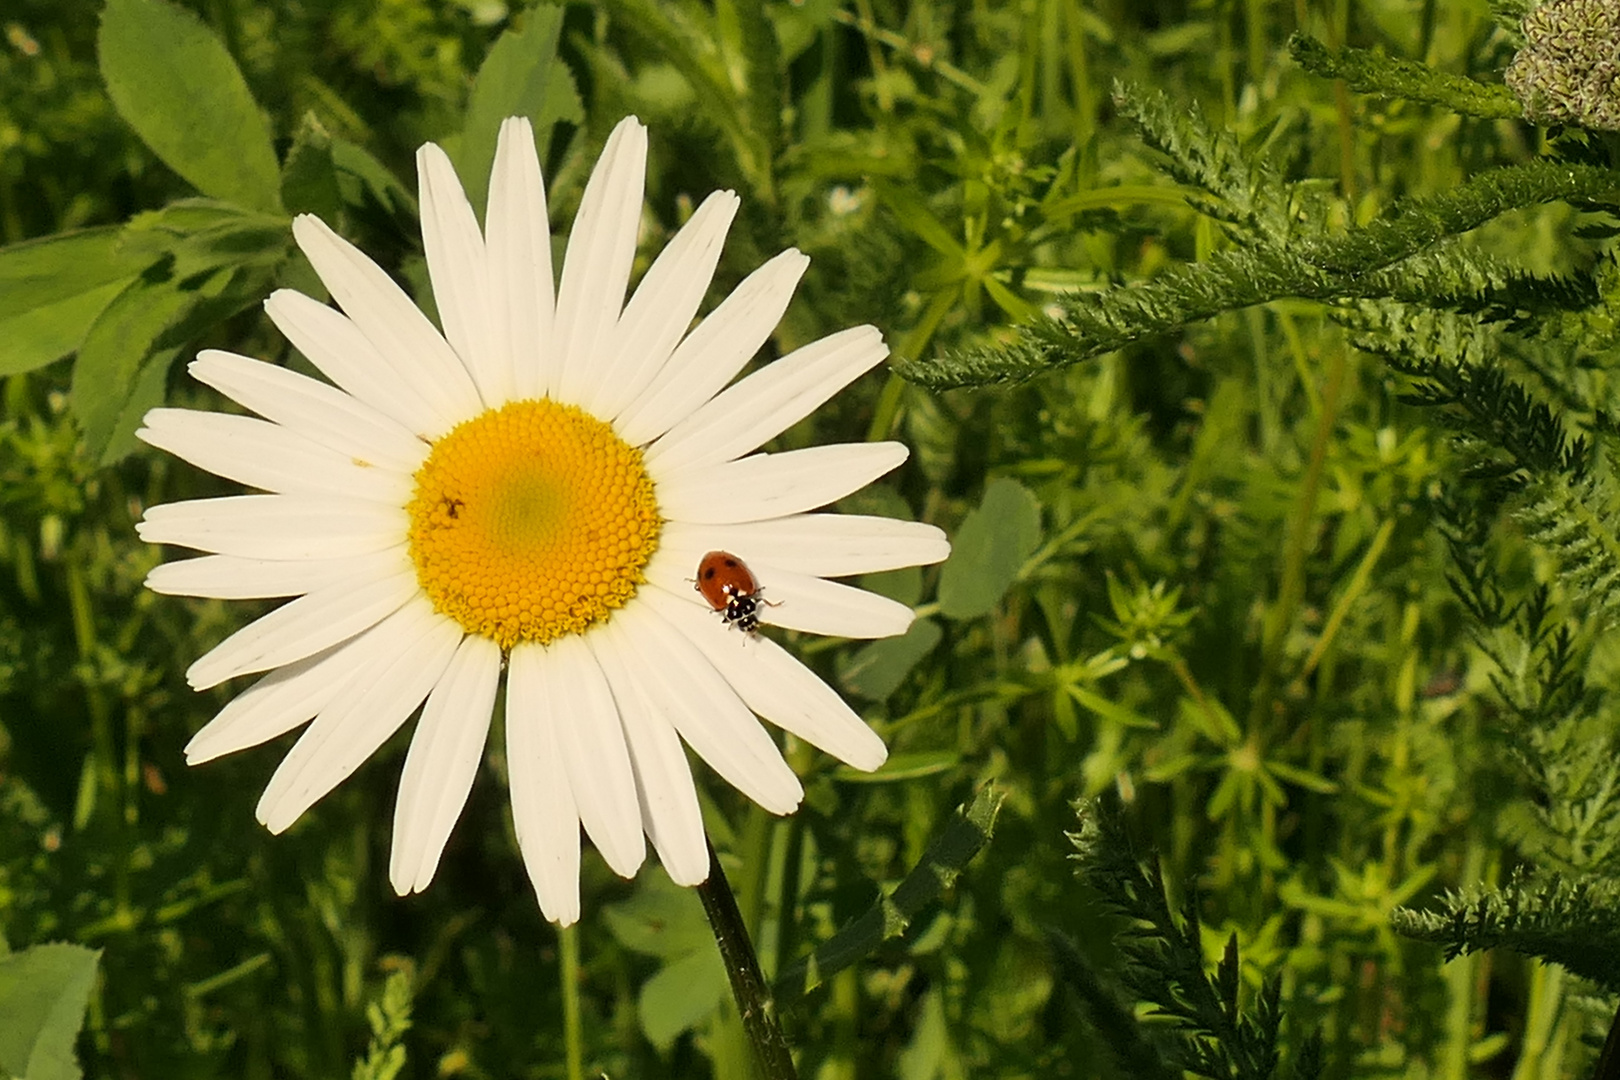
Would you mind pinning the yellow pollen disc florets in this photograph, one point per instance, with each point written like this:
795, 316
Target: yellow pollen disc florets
532, 521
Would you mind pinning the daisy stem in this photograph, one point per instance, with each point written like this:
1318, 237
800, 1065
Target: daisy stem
748, 986
572, 1045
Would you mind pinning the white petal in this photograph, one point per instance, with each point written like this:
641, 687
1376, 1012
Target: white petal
596, 267
366, 711
670, 814
715, 351
277, 526
793, 601
775, 685
268, 456
544, 816
229, 577
519, 252
773, 485
282, 700
305, 626
826, 607
663, 307
330, 340
822, 545
396, 326
769, 401
459, 270
320, 412
706, 711
585, 723
442, 761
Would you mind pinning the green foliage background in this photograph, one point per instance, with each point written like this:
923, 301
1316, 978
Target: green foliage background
1314, 580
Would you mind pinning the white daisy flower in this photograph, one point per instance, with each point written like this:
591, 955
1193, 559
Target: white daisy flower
533, 488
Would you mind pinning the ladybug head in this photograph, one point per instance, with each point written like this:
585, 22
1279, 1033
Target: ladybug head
742, 611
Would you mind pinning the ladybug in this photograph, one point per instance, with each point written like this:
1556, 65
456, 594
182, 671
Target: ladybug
729, 586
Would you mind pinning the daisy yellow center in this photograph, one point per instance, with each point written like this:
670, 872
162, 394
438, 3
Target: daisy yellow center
532, 521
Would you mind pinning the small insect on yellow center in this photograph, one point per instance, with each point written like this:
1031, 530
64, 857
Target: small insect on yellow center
532, 521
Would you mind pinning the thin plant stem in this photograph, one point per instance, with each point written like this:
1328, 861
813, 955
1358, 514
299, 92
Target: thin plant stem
1541, 1022
573, 1044
748, 986
1291, 588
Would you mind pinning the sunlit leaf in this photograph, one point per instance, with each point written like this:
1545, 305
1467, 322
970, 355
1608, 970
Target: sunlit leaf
309, 182
43, 992
51, 331
907, 766
521, 76
54, 269
172, 79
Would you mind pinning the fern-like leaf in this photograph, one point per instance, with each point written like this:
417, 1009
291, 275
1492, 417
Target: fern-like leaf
1247, 196
1576, 520
1358, 264
1215, 1035
1369, 72
1574, 922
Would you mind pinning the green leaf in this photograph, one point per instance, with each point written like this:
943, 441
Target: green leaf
51, 290
1359, 263
1109, 710
762, 57
661, 919
38, 273
521, 76
145, 393
918, 219
1389, 76
664, 920
951, 850
681, 995
1304, 778
174, 81
878, 669
216, 260
150, 322
171, 78
116, 350
51, 331
1573, 920
989, 550
43, 993
904, 585
911, 766
929, 1054
360, 174
203, 234
309, 182
685, 36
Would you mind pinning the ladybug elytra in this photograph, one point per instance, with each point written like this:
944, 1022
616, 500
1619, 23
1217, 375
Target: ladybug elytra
730, 588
